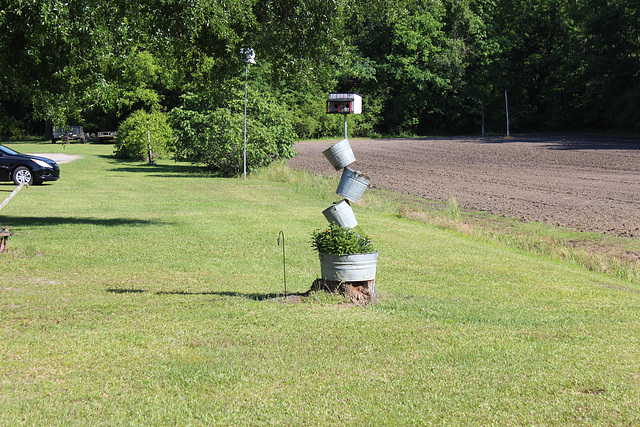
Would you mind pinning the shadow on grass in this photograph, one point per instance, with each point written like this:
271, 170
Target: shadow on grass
125, 291
165, 170
8, 187
43, 221
254, 296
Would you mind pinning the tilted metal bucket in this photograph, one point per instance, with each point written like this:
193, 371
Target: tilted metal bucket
340, 154
349, 268
352, 185
342, 214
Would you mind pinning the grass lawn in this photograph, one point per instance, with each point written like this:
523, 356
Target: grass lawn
138, 295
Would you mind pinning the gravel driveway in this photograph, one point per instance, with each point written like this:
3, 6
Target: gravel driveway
59, 157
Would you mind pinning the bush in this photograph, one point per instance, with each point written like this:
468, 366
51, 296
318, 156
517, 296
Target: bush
132, 140
215, 136
10, 127
338, 240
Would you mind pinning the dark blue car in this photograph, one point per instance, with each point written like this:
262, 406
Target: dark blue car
25, 168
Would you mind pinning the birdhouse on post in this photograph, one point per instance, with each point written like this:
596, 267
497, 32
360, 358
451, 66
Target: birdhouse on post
344, 103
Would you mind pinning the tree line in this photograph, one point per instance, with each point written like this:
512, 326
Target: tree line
422, 66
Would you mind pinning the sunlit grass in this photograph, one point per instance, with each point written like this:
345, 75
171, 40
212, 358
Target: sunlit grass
137, 295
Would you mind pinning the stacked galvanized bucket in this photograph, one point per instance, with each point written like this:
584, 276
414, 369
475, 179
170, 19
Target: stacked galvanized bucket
349, 269
352, 184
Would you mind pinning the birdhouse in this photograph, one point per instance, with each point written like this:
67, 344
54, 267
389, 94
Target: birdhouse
249, 54
344, 103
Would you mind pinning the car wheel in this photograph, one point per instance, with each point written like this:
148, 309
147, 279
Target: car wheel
22, 175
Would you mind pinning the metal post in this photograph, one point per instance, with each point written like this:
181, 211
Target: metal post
345, 126
149, 143
284, 262
250, 58
483, 117
246, 76
506, 102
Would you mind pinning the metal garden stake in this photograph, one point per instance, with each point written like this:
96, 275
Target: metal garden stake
284, 262
149, 144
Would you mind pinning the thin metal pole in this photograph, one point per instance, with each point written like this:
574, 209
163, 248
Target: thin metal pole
483, 117
149, 143
246, 76
284, 262
506, 103
345, 126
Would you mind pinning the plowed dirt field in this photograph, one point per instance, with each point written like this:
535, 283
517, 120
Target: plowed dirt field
588, 183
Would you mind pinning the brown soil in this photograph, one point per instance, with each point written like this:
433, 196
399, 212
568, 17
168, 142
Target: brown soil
589, 183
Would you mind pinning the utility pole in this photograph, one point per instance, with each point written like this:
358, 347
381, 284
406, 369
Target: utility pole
151, 162
506, 102
250, 58
482, 117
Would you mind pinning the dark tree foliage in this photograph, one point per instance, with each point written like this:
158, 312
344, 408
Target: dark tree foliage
609, 73
422, 66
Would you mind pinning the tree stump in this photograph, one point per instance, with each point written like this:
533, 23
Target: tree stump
362, 292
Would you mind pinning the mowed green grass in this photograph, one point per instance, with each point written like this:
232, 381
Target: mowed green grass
137, 295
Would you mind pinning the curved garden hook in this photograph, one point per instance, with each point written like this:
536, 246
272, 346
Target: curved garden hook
284, 262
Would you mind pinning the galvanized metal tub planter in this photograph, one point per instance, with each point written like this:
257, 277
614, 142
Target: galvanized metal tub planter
340, 154
349, 268
352, 185
341, 213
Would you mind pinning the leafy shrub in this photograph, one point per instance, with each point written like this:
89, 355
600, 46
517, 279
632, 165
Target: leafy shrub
132, 140
9, 126
337, 240
310, 119
307, 112
215, 136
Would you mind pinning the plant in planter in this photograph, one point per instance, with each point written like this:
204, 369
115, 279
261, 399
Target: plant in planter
348, 260
338, 240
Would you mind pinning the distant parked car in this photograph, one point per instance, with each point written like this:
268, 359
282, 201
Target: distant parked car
68, 133
25, 168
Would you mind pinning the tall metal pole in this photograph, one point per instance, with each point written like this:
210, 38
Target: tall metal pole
284, 262
483, 117
250, 58
149, 144
246, 76
506, 103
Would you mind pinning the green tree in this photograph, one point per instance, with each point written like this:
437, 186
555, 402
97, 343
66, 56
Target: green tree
535, 40
410, 59
608, 72
214, 135
64, 59
142, 131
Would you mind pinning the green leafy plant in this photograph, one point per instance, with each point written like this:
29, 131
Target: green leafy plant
132, 140
214, 136
338, 240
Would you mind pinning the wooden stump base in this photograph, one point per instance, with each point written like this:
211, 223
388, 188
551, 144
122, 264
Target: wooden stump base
363, 292
4, 236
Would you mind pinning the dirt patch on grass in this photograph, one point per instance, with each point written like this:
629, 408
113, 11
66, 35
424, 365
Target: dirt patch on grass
59, 157
588, 183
